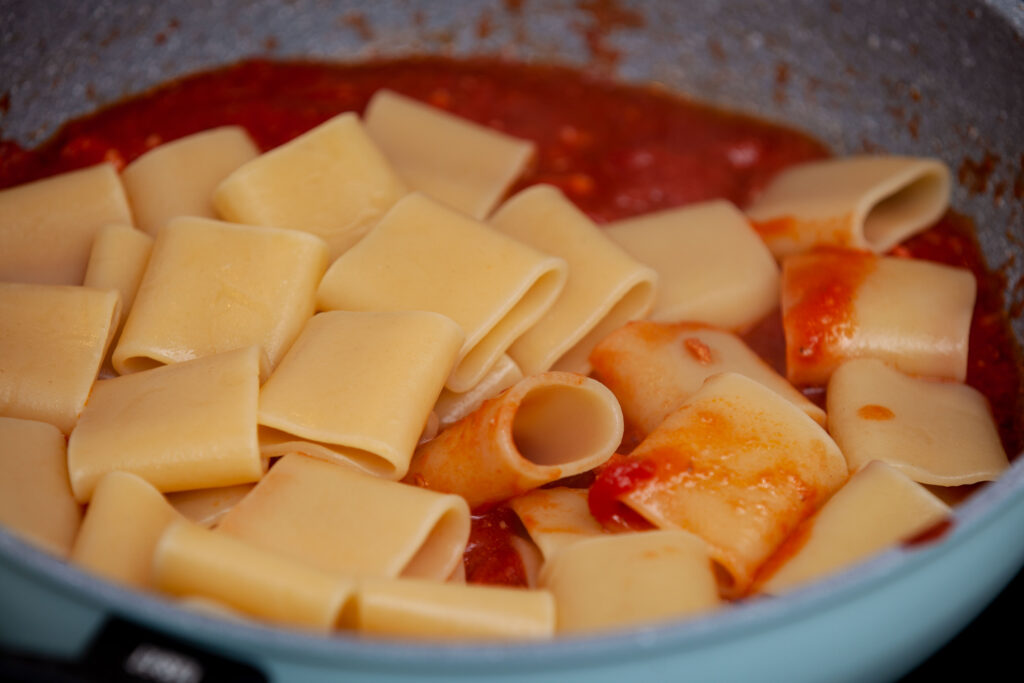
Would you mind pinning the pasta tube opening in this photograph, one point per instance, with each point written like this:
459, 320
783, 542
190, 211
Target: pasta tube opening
920, 200
559, 424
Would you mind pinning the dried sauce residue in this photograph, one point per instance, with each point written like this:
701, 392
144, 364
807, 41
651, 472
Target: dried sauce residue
606, 16
975, 175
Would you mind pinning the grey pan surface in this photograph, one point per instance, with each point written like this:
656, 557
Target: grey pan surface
932, 78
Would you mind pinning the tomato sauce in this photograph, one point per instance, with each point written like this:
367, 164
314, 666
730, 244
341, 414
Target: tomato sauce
615, 150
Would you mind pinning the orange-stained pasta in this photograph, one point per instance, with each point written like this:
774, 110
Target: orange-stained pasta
839, 304
739, 466
864, 202
653, 367
543, 428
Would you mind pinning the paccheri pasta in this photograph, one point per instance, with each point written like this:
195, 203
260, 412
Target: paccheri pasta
338, 384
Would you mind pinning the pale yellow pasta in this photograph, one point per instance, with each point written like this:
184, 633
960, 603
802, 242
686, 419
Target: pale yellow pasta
555, 518
53, 339
628, 579
117, 261
339, 520
911, 313
543, 428
360, 386
712, 266
213, 286
465, 165
935, 432
445, 611
180, 427
739, 466
205, 507
49, 224
452, 406
36, 503
654, 367
178, 177
125, 519
878, 507
606, 287
864, 202
425, 256
192, 561
332, 181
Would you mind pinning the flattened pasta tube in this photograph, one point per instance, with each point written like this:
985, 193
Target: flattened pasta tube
465, 165
359, 387
49, 224
878, 507
555, 518
36, 502
180, 427
839, 304
712, 266
606, 286
630, 579
122, 525
53, 340
543, 428
213, 286
424, 256
340, 520
193, 561
447, 611
654, 367
331, 181
178, 177
935, 432
863, 202
737, 465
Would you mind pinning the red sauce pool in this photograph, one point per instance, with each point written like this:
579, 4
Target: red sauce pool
615, 150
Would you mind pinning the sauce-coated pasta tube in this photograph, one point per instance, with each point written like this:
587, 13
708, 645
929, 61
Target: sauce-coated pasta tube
465, 165
335, 518
543, 428
36, 502
863, 202
935, 432
628, 579
839, 304
178, 177
712, 266
192, 561
739, 466
213, 286
876, 508
606, 286
125, 519
180, 427
49, 224
424, 256
653, 367
359, 387
447, 611
331, 181
53, 339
